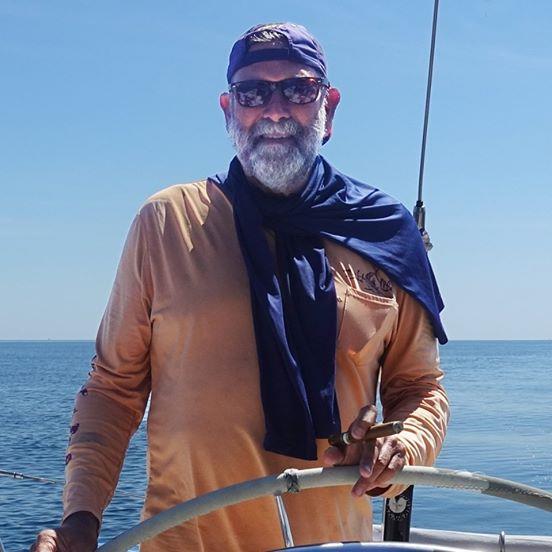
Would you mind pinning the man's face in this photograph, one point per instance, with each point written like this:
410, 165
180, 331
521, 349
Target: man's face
278, 142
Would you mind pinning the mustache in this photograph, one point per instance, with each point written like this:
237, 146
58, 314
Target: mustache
272, 129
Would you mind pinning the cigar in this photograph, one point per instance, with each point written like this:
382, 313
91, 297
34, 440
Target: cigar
376, 431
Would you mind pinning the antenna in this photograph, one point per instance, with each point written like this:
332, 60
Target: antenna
419, 208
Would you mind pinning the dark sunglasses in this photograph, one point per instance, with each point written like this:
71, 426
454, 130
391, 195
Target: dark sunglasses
297, 90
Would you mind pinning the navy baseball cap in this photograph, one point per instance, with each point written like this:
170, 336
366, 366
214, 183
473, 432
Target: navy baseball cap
301, 47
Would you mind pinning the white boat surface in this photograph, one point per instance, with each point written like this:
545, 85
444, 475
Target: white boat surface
480, 542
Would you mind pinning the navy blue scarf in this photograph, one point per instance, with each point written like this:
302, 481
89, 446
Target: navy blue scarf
293, 296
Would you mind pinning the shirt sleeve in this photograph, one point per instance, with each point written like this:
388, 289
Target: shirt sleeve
410, 386
111, 404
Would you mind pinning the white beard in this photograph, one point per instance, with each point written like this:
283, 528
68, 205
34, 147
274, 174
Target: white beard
280, 168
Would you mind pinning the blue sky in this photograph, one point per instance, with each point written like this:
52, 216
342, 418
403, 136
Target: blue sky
104, 103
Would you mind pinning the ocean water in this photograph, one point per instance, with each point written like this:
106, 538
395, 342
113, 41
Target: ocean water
501, 395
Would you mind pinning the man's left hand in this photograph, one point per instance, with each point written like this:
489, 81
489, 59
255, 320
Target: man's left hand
378, 460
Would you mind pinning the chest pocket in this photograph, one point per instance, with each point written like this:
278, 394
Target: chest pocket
364, 318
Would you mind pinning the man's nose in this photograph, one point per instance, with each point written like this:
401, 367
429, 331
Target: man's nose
277, 107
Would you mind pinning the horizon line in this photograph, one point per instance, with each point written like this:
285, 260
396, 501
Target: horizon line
50, 340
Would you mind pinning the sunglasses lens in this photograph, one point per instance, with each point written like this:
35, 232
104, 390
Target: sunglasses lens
297, 90
252, 93
300, 90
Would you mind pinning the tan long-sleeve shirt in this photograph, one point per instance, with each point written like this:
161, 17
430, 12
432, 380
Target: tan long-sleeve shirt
178, 325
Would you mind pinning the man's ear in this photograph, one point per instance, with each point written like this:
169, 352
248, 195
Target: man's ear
332, 100
224, 102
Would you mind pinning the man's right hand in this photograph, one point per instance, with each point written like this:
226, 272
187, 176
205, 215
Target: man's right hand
78, 533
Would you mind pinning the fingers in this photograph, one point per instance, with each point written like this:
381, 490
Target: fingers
376, 461
351, 454
46, 541
370, 451
378, 467
343, 456
379, 459
332, 456
364, 421
77, 533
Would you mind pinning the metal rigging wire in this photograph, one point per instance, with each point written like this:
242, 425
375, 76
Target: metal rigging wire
22, 476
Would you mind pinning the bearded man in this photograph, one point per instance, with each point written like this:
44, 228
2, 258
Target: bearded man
260, 308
